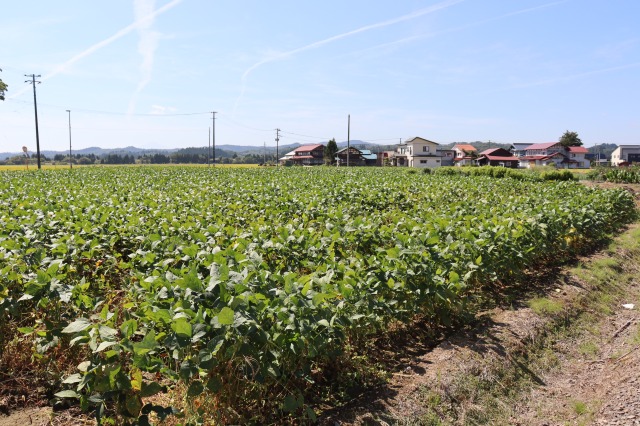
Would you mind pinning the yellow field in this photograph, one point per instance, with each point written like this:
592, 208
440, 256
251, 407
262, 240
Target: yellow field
66, 166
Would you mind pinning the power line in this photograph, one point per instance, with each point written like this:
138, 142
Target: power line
305, 136
94, 111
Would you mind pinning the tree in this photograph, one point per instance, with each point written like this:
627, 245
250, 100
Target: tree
3, 88
570, 139
330, 151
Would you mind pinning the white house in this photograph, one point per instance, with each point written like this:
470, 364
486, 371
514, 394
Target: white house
555, 154
625, 154
417, 152
465, 154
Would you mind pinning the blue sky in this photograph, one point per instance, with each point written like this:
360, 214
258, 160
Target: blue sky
147, 72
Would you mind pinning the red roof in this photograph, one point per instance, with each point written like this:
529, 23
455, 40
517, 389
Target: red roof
307, 148
465, 147
546, 145
578, 150
301, 157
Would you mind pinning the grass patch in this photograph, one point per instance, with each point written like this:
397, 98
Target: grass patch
545, 306
589, 349
580, 408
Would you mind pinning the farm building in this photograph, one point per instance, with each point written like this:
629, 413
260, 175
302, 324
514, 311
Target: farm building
350, 156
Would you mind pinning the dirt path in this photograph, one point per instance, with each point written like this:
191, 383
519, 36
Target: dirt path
597, 381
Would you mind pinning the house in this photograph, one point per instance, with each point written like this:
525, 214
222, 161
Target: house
519, 149
555, 154
447, 156
350, 156
308, 155
370, 158
287, 157
386, 158
497, 157
625, 154
465, 154
417, 152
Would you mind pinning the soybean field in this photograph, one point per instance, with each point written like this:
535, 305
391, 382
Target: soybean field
246, 287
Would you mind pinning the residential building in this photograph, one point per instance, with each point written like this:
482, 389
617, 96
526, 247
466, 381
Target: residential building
417, 152
308, 155
519, 149
447, 156
625, 154
555, 154
465, 154
497, 157
287, 157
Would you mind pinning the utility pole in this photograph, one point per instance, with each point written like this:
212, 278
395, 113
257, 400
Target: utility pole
70, 163
209, 150
264, 153
348, 137
35, 108
277, 147
213, 139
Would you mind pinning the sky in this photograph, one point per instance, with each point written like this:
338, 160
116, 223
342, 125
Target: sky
148, 73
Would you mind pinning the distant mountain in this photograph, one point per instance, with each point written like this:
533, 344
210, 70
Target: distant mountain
240, 150
97, 151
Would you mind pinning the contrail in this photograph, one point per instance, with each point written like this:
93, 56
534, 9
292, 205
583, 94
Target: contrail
460, 28
570, 77
146, 45
121, 33
320, 43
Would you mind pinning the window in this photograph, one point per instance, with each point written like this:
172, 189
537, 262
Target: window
425, 149
423, 161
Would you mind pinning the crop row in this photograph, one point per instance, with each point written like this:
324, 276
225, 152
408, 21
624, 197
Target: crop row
616, 174
242, 283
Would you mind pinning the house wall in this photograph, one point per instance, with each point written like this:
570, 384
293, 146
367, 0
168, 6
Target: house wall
424, 162
622, 152
419, 153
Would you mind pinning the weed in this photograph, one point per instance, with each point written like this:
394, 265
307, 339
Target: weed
589, 349
580, 408
545, 306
